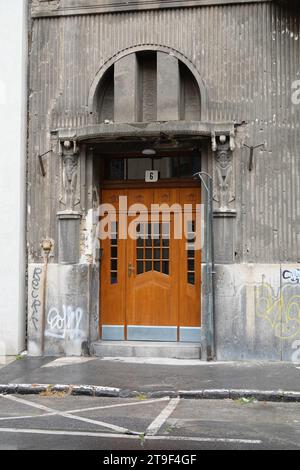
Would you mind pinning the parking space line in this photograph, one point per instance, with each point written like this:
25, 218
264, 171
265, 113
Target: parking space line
119, 405
132, 436
207, 439
82, 410
69, 416
156, 425
10, 418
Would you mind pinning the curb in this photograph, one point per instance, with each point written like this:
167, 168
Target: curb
98, 391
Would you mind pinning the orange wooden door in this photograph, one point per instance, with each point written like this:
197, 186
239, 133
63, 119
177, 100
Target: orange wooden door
150, 283
112, 275
152, 286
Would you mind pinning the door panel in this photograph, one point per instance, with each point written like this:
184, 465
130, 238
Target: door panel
150, 285
113, 275
190, 261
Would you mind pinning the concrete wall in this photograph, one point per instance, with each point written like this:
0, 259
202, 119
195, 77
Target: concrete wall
65, 311
13, 73
257, 311
248, 70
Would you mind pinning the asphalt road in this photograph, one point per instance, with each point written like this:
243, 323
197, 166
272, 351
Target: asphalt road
66, 422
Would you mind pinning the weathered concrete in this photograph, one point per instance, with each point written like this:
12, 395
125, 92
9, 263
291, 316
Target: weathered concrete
66, 311
118, 378
167, 88
68, 238
257, 315
125, 95
95, 391
257, 312
81, 7
146, 349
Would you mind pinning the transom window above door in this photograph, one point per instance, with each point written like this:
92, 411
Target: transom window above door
147, 86
176, 167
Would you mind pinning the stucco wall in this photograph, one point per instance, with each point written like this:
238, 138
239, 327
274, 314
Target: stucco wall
13, 60
257, 311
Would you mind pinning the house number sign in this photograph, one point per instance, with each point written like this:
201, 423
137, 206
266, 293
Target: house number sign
151, 176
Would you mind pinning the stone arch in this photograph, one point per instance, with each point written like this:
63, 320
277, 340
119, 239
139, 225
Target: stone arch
104, 76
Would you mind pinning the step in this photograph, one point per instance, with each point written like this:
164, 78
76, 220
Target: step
146, 349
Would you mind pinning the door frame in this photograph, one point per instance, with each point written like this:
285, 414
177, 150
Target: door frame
139, 184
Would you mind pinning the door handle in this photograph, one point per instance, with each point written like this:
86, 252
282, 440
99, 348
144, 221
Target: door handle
130, 269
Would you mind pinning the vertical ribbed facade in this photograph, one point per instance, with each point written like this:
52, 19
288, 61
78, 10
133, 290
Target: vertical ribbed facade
248, 56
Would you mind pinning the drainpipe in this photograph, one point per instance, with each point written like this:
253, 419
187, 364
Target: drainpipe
46, 247
209, 320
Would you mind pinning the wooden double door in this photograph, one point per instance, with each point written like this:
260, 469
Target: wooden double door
150, 269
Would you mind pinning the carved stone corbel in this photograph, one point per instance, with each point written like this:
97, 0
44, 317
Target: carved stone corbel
224, 181
69, 218
70, 175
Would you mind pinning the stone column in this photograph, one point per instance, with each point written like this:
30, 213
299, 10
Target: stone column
69, 218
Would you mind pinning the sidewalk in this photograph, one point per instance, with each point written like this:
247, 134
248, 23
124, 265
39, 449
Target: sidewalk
128, 377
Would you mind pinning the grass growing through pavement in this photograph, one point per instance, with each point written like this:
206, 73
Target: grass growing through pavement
246, 401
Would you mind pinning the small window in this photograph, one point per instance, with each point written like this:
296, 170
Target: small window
151, 254
118, 169
114, 254
191, 252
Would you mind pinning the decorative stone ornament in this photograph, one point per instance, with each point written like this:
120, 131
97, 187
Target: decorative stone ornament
224, 184
69, 219
69, 153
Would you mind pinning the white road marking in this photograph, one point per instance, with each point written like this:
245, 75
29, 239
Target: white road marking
123, 436
68, 361
205, 439
155, 426
69, 416
118, 405
82, 410
10, 418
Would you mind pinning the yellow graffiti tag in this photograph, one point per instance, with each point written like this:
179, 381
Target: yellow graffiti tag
281, 311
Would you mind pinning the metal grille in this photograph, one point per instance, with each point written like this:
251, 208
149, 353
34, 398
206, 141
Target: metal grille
114, 254
153, 248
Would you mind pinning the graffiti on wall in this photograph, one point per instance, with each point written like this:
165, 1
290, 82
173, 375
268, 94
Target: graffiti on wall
291, 275
35, 300
281, 310
65, 324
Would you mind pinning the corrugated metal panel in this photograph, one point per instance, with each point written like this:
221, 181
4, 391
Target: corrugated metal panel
248, 56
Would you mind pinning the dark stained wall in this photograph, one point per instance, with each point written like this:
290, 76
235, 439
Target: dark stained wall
248, 56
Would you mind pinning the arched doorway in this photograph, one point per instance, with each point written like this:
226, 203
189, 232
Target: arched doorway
150, 285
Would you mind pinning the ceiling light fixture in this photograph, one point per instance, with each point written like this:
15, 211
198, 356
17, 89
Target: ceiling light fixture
149, 152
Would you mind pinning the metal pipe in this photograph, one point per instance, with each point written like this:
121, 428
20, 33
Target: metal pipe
209, 323
46, 247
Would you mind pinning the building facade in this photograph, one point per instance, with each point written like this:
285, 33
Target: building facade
131, 99
13, 134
